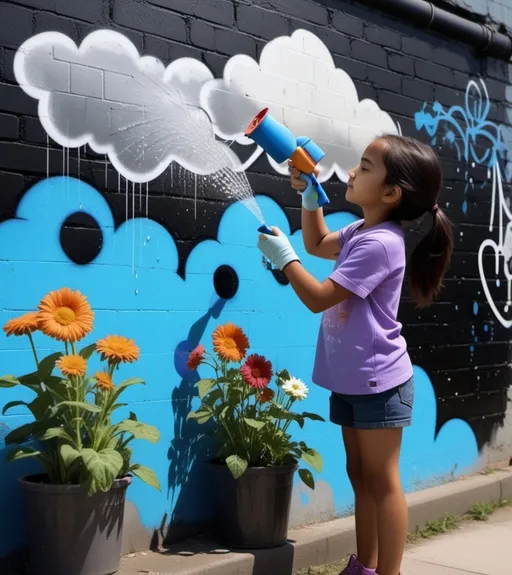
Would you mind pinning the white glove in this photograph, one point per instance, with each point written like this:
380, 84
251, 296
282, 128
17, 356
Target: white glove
309, 195
277, 249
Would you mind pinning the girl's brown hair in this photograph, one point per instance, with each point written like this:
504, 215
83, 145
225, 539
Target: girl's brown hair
415, 169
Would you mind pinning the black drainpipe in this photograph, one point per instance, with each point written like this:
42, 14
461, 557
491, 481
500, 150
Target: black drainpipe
422, 14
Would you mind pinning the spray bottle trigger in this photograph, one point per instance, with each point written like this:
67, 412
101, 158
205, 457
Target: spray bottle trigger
264, 229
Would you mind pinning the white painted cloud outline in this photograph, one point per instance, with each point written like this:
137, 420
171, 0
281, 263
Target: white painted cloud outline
248, 86
180, 83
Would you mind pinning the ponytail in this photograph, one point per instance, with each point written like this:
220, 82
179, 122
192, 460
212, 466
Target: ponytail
430, 260
415, 169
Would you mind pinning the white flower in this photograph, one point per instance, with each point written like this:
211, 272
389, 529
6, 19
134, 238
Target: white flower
296, 388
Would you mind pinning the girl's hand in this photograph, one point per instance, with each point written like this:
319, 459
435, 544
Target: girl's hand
297, 184
304, 186
277, 249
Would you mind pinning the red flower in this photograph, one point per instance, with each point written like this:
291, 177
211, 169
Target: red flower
257, 371
195, 357
266, 395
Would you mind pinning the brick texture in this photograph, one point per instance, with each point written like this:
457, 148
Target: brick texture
397, 65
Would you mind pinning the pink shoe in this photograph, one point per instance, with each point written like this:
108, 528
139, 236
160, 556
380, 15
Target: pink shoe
355, 568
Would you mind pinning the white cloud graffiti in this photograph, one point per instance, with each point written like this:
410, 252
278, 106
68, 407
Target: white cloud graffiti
132, 108
298, 80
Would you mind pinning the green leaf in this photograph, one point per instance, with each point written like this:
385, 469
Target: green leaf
125, 384
201, 416
100, 469
54, 433
147, 475
69, 454
12, 404
313, 416
47, 365
283, 375
118, 406
78, 404
204, 386
9, 381
213, 397
31, 380
254, 423
307, 478
313, 458
132, 416
236, 465
22, 453
139, 430
87, 351
20, 434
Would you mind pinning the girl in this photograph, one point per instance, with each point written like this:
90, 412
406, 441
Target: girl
361, 356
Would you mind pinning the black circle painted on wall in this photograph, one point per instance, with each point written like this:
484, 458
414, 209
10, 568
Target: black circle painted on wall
225, 282
81, 238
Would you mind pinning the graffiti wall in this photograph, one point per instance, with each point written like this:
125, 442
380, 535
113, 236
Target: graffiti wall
125, 173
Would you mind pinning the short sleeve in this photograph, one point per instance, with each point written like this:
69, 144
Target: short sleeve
345, 233
364, 268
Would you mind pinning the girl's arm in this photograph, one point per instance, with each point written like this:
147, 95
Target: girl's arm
318, 239
316, 296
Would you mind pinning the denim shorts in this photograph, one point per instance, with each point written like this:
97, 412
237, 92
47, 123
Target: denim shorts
391, 408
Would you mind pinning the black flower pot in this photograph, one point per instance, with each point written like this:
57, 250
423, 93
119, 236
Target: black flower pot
71, 533
253, 512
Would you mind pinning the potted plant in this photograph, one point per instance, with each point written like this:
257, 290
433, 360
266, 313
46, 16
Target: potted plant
257, 455
75, 506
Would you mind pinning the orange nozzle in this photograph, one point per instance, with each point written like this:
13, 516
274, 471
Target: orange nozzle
256, 122
303, 161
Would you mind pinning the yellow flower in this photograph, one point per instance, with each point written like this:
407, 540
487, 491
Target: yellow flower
230, 342
117, 349
65, 315
72, 365
23, 325
104, 381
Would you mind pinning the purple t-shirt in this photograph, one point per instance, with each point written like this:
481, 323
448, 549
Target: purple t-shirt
360, 349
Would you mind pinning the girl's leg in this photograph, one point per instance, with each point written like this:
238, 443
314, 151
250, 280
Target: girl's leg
380, 451
366, 521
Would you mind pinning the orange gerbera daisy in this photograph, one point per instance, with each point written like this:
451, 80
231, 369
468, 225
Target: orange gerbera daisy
117, 349
72, 365
65, 315
104, 381
23, 325
230, 342
196, 357
266, 395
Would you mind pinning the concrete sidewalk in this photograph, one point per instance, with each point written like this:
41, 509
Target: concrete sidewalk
483, 548
475, 548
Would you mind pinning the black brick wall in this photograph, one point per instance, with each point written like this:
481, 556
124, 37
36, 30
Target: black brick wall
399, 66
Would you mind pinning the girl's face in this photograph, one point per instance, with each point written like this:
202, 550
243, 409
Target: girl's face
366, 186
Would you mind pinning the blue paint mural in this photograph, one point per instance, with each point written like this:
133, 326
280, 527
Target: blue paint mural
480, 142
135, 290
467, 129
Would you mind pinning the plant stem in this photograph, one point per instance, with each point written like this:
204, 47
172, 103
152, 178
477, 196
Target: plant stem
33, 349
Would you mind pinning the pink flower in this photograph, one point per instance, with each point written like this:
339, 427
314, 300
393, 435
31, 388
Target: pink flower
195, 357
257, 371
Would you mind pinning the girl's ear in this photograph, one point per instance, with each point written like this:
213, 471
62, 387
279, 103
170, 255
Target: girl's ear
393, 195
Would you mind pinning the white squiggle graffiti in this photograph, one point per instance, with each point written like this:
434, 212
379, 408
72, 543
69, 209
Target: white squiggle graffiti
462, 128
502, 249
